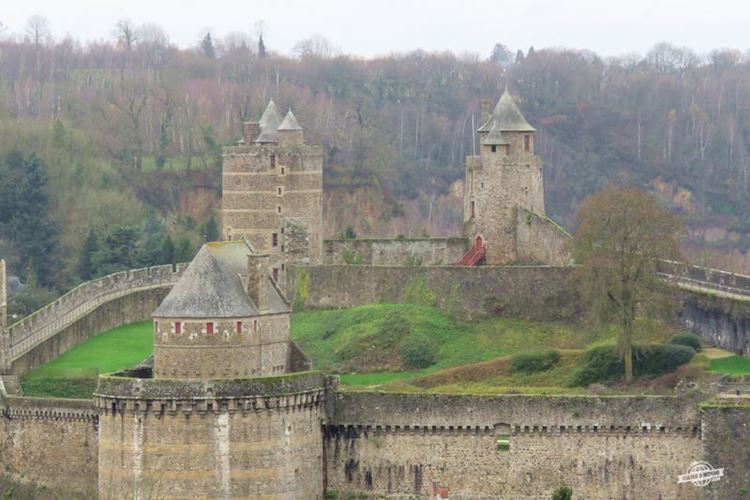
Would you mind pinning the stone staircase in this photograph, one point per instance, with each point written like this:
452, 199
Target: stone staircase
12, 385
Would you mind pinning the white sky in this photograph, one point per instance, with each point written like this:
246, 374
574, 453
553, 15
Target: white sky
372, 27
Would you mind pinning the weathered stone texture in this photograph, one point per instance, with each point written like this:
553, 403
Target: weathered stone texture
630, 448
52, 442
395, 252
720, 321
726, 444
260, 348
541, 241
258, 438
538, 292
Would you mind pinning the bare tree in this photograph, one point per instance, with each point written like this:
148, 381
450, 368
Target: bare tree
316, 46
38, 30
126, 34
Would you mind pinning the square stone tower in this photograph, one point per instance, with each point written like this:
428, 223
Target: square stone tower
271, 178
506, 175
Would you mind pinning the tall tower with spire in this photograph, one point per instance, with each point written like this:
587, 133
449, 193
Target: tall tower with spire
506, 176
272, 190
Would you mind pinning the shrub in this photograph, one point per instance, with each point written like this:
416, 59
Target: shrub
603, 364
419, 351
562, 493
533, 362
687, 339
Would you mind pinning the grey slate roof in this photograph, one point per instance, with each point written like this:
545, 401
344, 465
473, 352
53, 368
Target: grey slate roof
269, 124
507, 117
495, 137
213, 286
290, 122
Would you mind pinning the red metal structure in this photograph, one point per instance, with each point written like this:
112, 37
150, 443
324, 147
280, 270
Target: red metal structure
475, 255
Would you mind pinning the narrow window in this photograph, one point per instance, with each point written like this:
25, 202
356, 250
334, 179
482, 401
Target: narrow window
273, 161
282, 267
278, 190
238, 327
282, 248
255, 325
527, 142
210, 328
156, 327
278, 209
177, 328
494, 148
274, 239
473, 210
481, 185
282, 229
283, 170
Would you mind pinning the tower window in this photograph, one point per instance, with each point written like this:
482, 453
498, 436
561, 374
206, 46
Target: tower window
473, 210
494, 148
255, 325
278, 209
283, 170
177, 328
282, 248
527, 142
278, 191
274, 239
238, 327
273, 161
209, 328
481, 185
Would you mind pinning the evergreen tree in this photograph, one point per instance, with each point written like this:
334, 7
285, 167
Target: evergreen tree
211, 230
207, 46
184, 251
119, 250
167, 251
261, 47
86, 269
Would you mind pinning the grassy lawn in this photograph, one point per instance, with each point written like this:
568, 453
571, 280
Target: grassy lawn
74, 373
731, 365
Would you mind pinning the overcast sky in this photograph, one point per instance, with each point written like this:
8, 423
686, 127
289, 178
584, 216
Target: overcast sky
373, 27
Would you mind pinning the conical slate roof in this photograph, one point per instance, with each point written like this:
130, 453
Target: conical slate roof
269, 124
507, 117
290, 122
213, 286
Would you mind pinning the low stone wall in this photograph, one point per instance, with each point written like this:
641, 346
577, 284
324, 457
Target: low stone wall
539, 240
51, 442
394, 252
398, 444
132, 307
533, 292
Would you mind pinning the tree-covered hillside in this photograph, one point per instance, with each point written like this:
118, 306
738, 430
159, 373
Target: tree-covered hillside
124, 137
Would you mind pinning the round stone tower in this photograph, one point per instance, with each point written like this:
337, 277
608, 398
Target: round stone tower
219, 415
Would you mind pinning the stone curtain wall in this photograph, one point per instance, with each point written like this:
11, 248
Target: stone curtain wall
52, 442
627, 447
251, 438
394, 252
86, 310
726, 444
539, 240
720, 321
535, 292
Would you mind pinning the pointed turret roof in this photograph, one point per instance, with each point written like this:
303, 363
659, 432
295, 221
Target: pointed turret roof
508, 117
269, 124
290, 122
214, 286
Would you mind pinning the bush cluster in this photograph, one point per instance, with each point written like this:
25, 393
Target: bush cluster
687, 339
419, 351
603, 364
535, 361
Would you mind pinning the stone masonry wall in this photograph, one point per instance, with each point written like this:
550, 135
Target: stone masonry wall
726, 444
720, 321
535, 292
260, 348
395, 252
540, 241
625, 448
257, 438
52, 442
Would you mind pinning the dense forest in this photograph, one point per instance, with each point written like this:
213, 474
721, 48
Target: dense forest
110, 152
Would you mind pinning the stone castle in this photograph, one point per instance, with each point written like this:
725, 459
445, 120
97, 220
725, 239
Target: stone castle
230, 408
